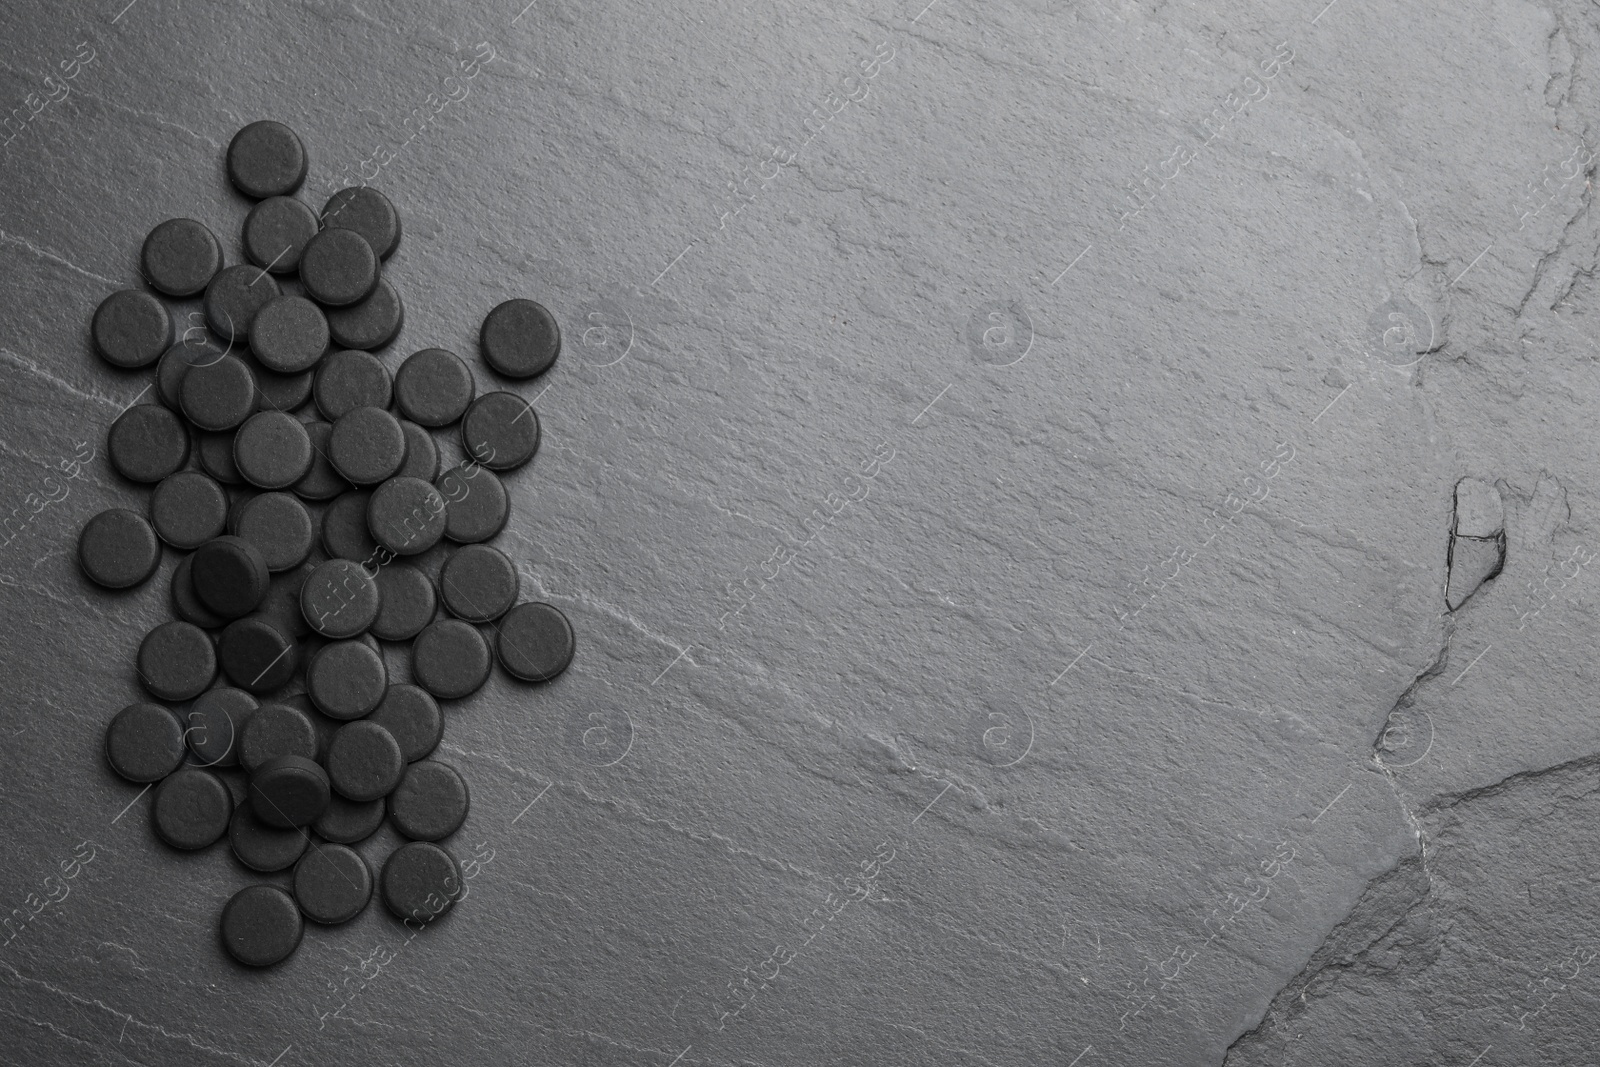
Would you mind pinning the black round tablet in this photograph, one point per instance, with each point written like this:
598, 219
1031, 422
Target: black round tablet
476, 506
347, 822
131, 328
368, 212
344, 528
422, 455
420, 881
262, 847
500, 431
412, 716
340, 599
272, 450
346, 679
275, 730
191, 808
230, 576
431, 801
180, 256
289, 791
233, 298
369, 323
280, 392
147, 443
407, 602
216, 720
216, 456
332, 884
176, 661
289, 334
535, 642
348, 379
321, 481
479, 583
188, 509
144, 742
175, 363
276, 232
118, 549
218, 396
185, 604
338, 268
450, 659
257, 655
364, 761
406, 515
434, 387
261, 926
520, 339
266, 159
367, 445
281, 527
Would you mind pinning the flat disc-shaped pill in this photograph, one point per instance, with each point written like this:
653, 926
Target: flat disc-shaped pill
535, 642
233, 298
280, 392
420, 881
180, 256
261, 926
144, 742
185, 604
520, 339
321, 481
261, 847
118, 549
346, 821
216, 456
266, 159
216, 720
348, 379
344, 528
450, 659
406, 515
276, 730
422, 455
367, 445
338, 268
431, 801
500, 431
188, 509
476, 505
364, 761
407, 602
479, 583
257, 655
281, 527
175, 363
147, 443
191, 808
289, 334
131, 328
434, 387
272, 450
230, 576
276, 231
218, 396
332, 884
176, 661
346, 679
289, 791
413, 718
368, 212
369, 323
340, 599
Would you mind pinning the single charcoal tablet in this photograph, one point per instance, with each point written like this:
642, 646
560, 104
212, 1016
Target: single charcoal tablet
257, 655
346, 679
261, 926
216, 456
348, 379
272, 450
289, 334
131, 328
289, 791
280, 392
230, 576
144, 742
450, 659
520, 339
332, 884
185, 604
216, 720
281, 527
233, 298
344, 528
176, 661
118, 549
347, 822
188, 509
218, 396
191, 808
367, 445
413, 718
364, 761
175, 363
266, 159
276, 231
261, 847
338, 268
422, 455
479, 583
500, 431
535, 642
369, 323
476, 506
147, 443
431, 801
275, 730
420, 881
339, 599
406, 515
180, 257
321, 481
407, 602
434, 387
368, 212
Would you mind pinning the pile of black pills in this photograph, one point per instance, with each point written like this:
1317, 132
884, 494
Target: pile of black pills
298, 483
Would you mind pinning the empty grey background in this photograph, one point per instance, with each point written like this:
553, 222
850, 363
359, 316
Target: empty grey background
1293, 811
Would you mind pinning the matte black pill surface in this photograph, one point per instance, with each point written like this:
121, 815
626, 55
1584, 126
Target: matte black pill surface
131, 328
369, 323
332, 884
479, 583
144, 742
344, 528
191, 808
257, 655
261, 926
348, 379
420, 881
289, 334
188, 509
282, 602
281, 527
321, 481
176, 661
266, 159
476, 505
422, 455
147, 443
535, 642
450, 659
233, 298
118, 549
434, 387
413, 718
261, 847
276, 232
368, 212
289, 791
338, 268
346, 822
280, 392
346, 679
175, 363
216, 456
364, 761
367, 445
406, 516
520, 339
339, 599
431, 801
215, 721
230, 576
218, 396
500, 431
185, 604
407, 602
272, 450
276, 730
180, 256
